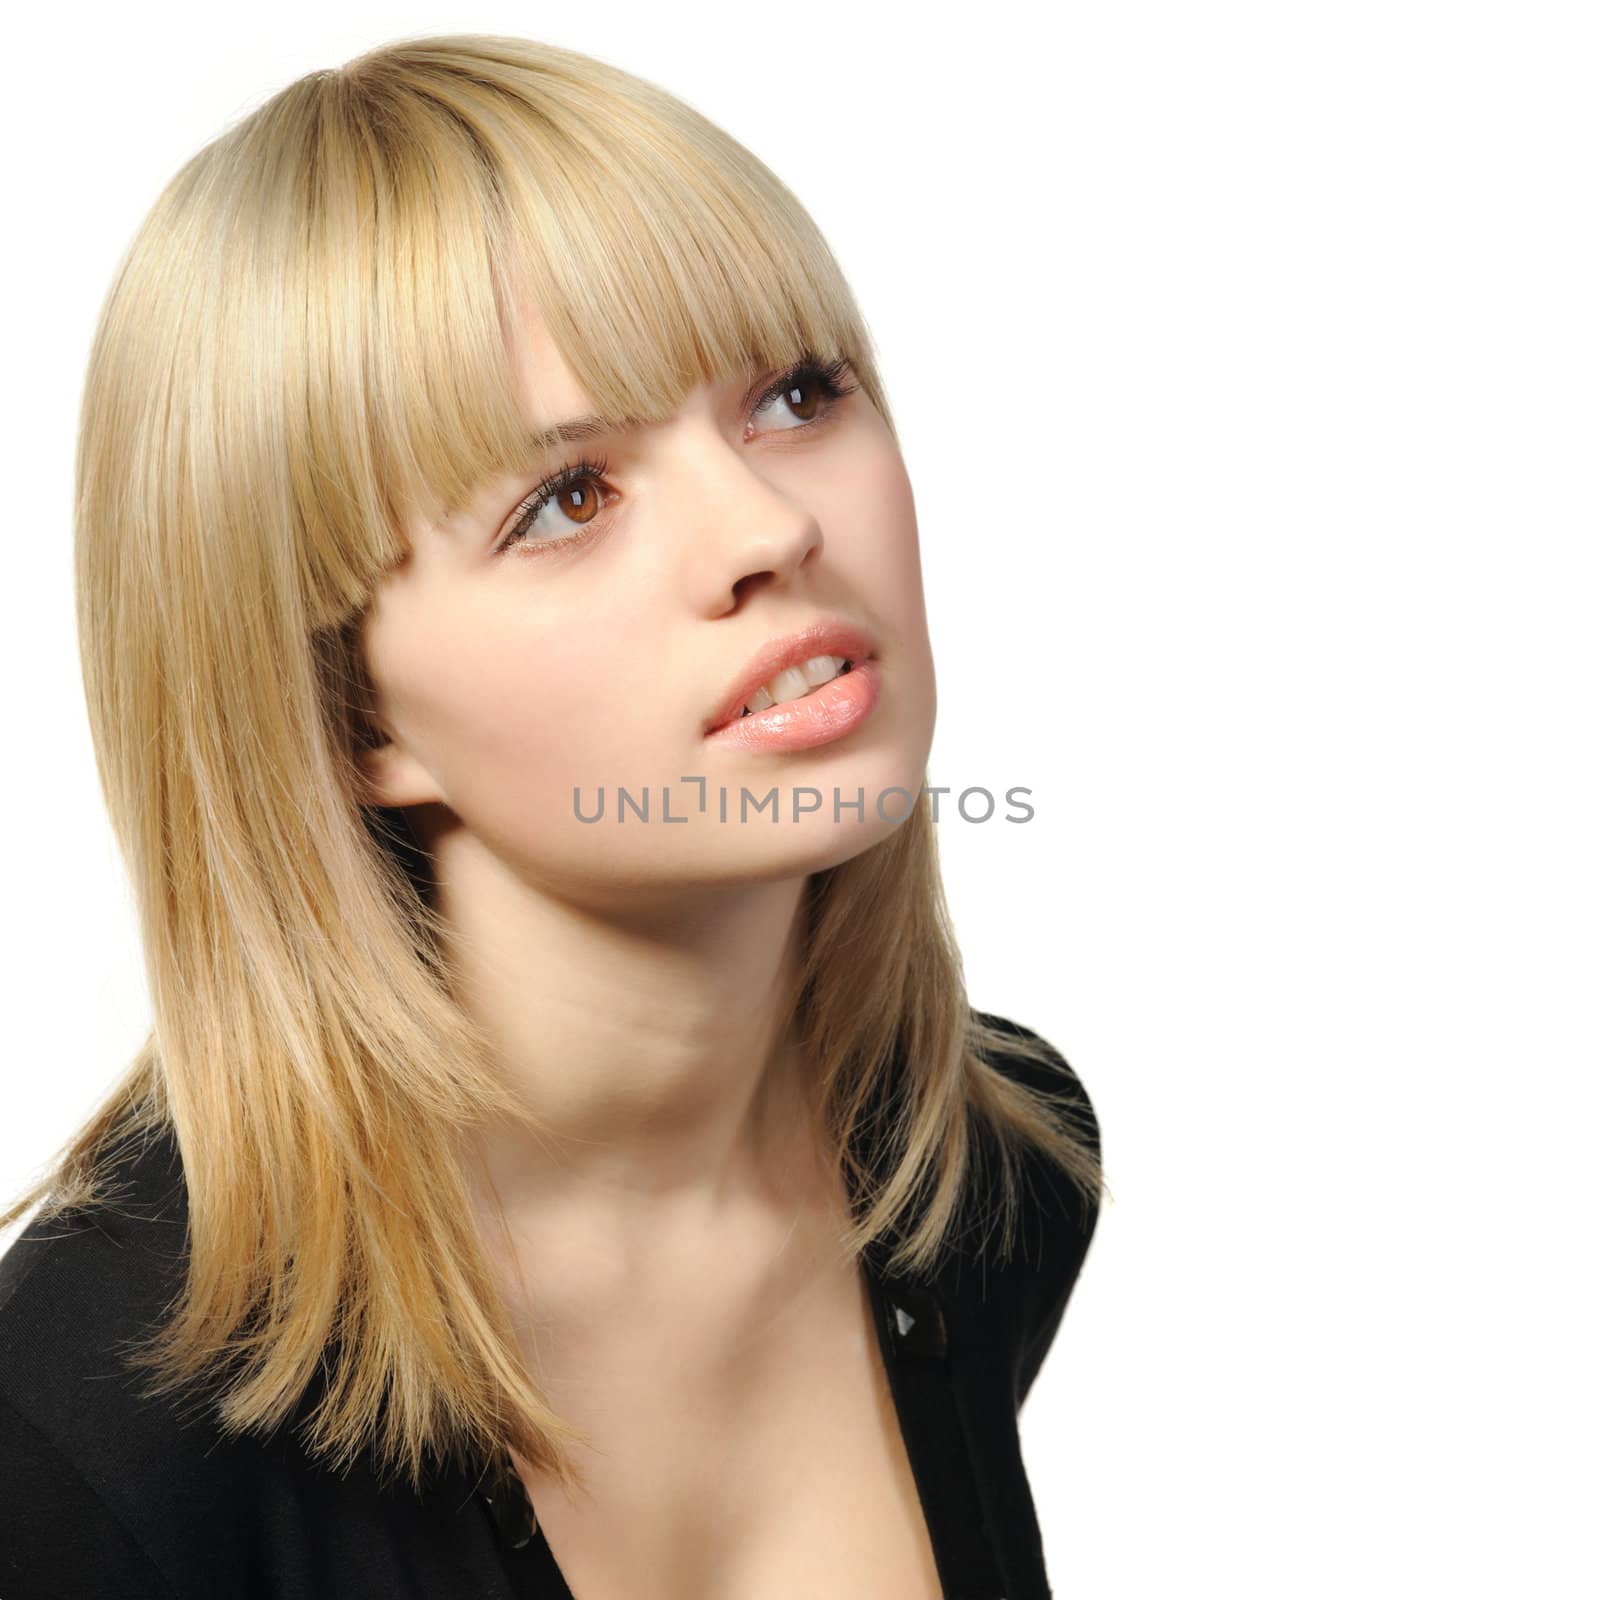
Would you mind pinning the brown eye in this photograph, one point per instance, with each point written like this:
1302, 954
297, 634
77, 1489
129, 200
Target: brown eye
794, 397
581, 502
806, 393
560, 510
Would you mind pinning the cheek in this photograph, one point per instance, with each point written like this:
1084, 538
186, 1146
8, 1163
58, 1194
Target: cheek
882, 564
874, 542
505, 708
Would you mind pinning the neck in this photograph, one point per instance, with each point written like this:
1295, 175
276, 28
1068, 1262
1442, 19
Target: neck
655, 1045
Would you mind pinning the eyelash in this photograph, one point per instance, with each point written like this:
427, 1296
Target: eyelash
829, 376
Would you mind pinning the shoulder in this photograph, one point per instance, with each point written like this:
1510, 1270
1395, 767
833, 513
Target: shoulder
1057, 1216
95, 1477
74, 1282
108, 1490
1055, 1077
63, 1537
75, 1287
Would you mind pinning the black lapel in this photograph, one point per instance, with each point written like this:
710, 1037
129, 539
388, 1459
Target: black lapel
949, 1374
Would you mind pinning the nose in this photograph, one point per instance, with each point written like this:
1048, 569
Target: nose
740, 518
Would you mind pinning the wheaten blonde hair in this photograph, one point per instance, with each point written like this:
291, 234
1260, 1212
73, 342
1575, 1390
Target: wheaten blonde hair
304, 345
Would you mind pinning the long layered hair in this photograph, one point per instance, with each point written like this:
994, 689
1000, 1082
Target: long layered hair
304, 345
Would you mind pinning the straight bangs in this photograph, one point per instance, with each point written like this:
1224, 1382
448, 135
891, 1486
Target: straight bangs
442, 192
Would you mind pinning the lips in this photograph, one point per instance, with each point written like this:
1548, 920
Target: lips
827, 638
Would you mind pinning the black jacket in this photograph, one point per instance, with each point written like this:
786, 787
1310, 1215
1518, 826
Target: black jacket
106, 1495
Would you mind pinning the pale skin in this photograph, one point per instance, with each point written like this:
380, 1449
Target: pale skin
687, 1308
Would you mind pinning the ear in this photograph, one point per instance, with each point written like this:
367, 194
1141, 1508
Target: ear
394, 777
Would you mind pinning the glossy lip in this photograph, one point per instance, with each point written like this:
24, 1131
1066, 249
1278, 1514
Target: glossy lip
830, 712
827, 638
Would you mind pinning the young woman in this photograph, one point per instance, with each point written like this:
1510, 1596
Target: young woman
565, 1159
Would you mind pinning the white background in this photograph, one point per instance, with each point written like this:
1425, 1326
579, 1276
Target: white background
1246, 360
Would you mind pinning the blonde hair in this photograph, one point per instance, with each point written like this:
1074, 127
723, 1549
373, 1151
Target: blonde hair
304, 345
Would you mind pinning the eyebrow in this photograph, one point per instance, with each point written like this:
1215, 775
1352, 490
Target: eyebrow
576, 429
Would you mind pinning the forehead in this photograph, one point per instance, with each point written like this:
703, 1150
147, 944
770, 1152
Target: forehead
556, 408
547, 387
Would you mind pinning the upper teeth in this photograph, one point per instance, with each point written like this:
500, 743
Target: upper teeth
793, 682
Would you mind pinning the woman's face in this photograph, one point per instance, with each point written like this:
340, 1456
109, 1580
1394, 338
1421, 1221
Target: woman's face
531, 659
